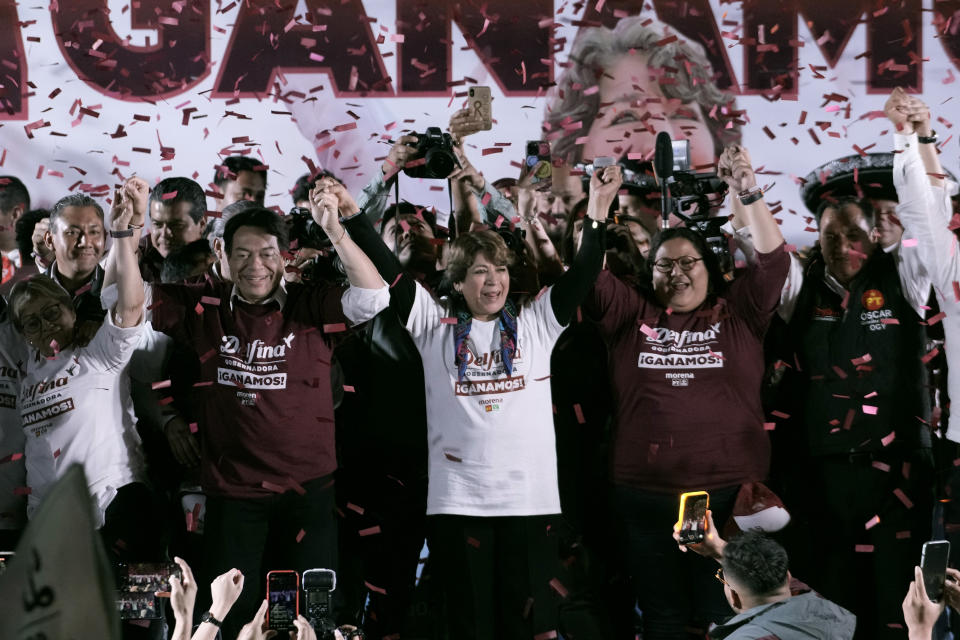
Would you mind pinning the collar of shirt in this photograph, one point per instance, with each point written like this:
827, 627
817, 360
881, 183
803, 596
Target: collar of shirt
279, 296
95, 282
834, 284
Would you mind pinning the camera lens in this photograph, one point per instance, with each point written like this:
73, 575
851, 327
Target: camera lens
440, 162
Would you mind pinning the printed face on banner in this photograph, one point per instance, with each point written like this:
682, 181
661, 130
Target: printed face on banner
256, 264
633, 110
77, 238
171, 226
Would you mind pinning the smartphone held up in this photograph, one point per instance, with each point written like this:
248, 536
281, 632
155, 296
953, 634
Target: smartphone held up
692, 524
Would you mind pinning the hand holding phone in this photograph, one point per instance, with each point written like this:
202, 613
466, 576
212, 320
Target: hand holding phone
933, 563
692, 525
481, 106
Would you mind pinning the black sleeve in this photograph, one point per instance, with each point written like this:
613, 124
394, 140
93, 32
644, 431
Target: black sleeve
402, 287
572, 287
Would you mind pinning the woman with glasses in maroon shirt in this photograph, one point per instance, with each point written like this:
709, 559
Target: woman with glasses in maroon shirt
686, 361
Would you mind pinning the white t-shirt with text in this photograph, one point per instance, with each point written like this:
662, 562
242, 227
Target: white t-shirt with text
491, 441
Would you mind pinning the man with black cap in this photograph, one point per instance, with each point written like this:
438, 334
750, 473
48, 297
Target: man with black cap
853, 405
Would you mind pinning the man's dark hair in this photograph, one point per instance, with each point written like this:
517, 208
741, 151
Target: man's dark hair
717, 283
24, 230
756, 562
12, 193
80, 200
261, 218
846, 201
301, 189
404, 208
179, 263
233, 165
184, 190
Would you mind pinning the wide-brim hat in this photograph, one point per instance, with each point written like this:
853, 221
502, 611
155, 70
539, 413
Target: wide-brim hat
863, 176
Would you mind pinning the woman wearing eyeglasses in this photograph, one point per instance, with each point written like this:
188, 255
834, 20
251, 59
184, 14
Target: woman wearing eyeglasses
74, 399
686, 361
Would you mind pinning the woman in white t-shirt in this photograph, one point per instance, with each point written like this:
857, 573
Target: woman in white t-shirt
74, 399
492, 493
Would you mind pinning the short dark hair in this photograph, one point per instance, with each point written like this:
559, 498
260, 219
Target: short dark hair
179, 263
404, 208
757, 562
80, 200
24, 229
465, 249
183, 190
303, 185
233, 165
717, 284
842, 203
12, 193
261, 218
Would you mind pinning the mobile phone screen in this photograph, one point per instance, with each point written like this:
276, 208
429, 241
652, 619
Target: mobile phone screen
282, 599
148, 577
693, 519
933, 563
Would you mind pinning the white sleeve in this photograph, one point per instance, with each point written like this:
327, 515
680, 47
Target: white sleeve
113, 346
426, 314
546, 324
361, 305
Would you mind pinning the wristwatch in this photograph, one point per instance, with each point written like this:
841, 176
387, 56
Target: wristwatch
930, 139
208, 617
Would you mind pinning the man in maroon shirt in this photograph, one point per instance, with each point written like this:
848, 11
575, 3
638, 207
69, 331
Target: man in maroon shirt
267, 436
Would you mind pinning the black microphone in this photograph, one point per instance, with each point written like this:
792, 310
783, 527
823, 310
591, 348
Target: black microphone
663, 167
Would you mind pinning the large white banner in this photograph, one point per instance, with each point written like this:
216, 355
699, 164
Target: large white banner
87, 99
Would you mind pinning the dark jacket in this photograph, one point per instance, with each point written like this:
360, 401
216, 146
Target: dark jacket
804, 617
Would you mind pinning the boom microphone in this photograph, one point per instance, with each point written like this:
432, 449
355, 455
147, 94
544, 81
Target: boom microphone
663, 167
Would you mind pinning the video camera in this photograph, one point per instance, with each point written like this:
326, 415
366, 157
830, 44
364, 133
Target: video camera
435, 158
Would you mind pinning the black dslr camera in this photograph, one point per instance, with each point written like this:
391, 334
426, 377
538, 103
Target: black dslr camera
318, 584
435, 158
306, 231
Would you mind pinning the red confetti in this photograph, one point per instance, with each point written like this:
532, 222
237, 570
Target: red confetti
22, 491
374, 588
270, 486
452, 458
448, 321
863, 548
473, 542
11, 458
337, 327
887, 439
210, 300
163, 384
902, 497
198, 309
557, 586
348, 388
370, 531
577, 410
300, 535
872, 522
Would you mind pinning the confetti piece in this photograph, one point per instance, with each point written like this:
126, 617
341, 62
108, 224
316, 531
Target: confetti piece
13, 457
869, 410
56, 454
452, 458
374, 588
193, 427
300, 535
349, 388
887, 439
270, 486
872, 522
198, 309
882, 466
909, 242
863, 548
557, 586
337, 327
210, 300
448, 321
22, 491
650, 333
769, 426
865, 358
903, 535
546, 635
780, 414
937, 318
370, 531
473, 542
902, 497
577, 410
354, 507
163, 384
930, 355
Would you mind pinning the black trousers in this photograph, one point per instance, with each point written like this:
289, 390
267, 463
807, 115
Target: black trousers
676, 591
496, 575
866, 570
236, 532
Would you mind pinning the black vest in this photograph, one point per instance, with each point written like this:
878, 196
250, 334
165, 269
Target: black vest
860, 375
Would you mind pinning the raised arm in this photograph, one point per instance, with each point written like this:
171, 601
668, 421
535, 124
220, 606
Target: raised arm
573, 286
747, 201
327, 201
122, 267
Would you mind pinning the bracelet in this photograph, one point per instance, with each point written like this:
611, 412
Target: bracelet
750, 196
126, 233
930, 139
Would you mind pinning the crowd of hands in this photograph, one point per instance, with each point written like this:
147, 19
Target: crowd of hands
224, 591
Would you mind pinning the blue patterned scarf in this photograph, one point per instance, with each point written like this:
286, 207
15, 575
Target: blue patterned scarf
508, 337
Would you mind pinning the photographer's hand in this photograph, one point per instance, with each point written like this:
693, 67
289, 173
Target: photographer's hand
919, 612
712, 545
401, 151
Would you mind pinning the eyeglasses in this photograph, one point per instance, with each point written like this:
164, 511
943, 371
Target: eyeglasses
719, 576
665, 265
32, 324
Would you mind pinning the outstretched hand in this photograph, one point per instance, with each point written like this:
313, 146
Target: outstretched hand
919, 612
736, 169
328, 201
137, 191
604, 186
253, 630
897, 110
121, 210
712, 545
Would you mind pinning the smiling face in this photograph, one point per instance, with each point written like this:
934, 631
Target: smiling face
47, 324
845, 241
255, 262
678, 289
485, 287
77, 238
171, 226
627, 95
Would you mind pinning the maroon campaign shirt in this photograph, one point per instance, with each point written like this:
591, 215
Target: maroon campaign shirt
265, 383
686, 386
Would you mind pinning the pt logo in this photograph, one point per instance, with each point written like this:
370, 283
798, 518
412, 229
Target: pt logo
872, 300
